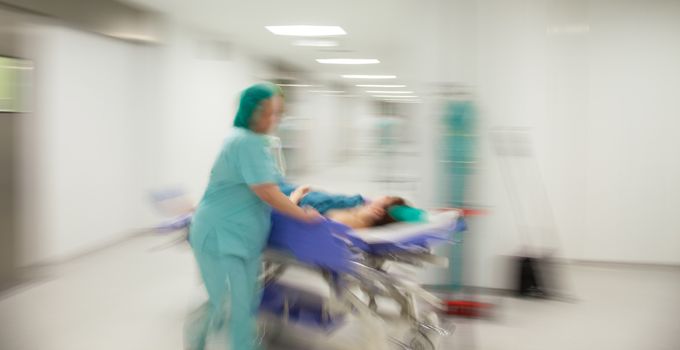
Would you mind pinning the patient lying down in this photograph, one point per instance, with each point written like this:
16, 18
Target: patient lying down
370, 214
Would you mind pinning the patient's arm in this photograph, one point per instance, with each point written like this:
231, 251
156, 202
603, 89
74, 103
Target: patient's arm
361, 217
370, 213
347, 217
299, 193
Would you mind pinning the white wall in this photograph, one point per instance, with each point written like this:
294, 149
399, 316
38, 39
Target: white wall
595, 83
81, 144
633, 164
594, 80
114, 121
196, 99
321, 133
330, 125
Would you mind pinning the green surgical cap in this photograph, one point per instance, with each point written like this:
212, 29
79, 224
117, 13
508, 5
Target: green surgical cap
251, 98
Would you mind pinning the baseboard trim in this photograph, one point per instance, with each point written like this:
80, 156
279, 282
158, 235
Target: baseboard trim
621, 264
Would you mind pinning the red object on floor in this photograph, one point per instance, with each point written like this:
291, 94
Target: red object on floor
467, 308
467, 211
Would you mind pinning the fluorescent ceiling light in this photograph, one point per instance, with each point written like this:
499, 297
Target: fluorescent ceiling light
316, 43
396, 96
361, 76
403, 101
305, 30
347, 60
389, 92
296, 85
338, 95
328, 91
382, 86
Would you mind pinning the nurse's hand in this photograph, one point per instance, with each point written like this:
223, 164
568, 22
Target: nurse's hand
299, 193
272, 195
311, 215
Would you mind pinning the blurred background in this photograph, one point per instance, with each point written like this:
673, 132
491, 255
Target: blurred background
555, 122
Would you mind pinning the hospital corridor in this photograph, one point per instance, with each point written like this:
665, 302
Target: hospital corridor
383, 175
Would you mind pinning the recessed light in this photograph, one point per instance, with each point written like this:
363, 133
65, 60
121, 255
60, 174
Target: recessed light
347, 60
362, 76
335, 50
382, 86
396, 96
306, 30
389, 92
403, 101
316, 43
296, 85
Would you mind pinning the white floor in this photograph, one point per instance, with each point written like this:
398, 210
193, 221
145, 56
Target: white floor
131, 296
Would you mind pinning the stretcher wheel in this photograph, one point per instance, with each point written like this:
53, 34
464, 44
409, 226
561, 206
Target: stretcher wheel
261, 334
421, 342
372, 304
426, 338
268, 330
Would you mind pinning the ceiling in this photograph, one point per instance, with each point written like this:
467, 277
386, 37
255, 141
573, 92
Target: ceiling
382, 29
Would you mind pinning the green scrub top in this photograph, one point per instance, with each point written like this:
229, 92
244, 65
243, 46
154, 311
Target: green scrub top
231, 219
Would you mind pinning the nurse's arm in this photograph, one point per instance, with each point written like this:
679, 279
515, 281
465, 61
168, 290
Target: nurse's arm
272, 195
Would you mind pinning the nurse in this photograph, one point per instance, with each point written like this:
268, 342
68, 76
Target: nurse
232, 221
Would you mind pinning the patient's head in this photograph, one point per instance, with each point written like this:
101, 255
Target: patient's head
385, 203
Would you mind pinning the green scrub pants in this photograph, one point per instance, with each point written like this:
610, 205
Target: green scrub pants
234, 296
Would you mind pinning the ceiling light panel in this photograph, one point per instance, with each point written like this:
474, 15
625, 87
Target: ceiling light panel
306, 30
363, 76
348, 60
